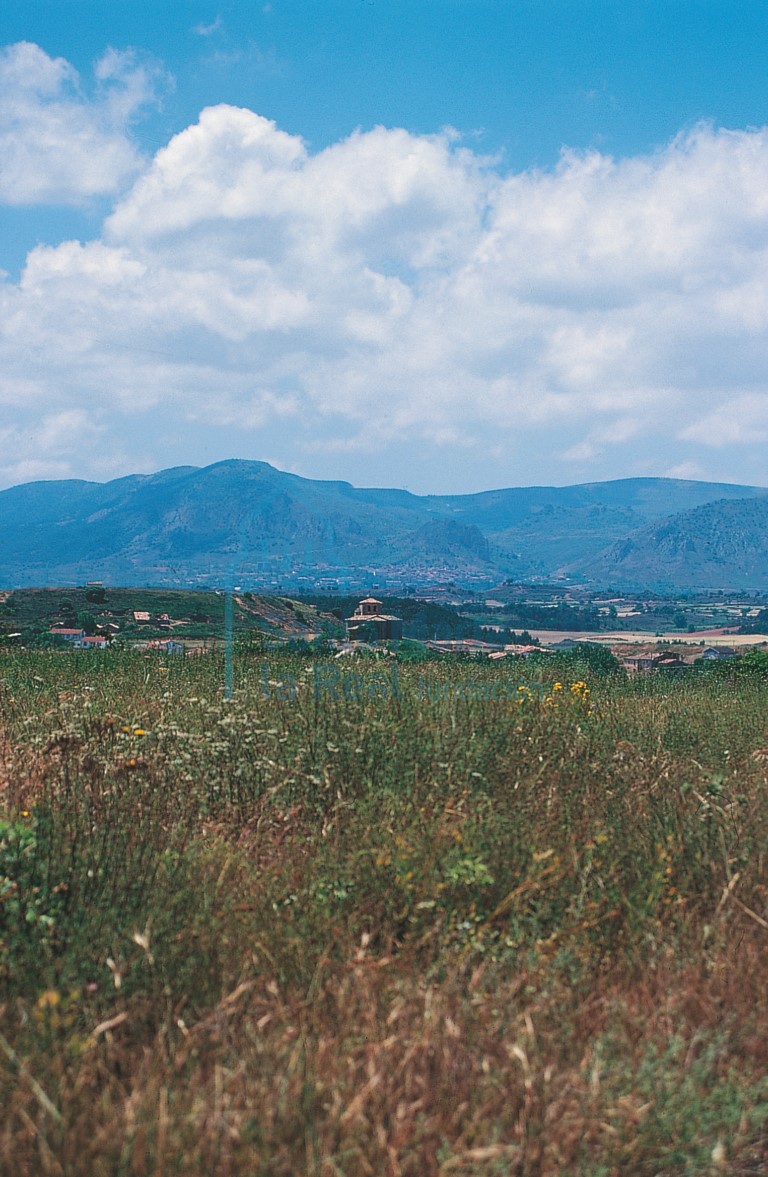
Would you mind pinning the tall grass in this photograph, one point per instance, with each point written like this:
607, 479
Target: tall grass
416, 924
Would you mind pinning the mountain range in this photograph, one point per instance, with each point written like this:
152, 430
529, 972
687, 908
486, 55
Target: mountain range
251, 523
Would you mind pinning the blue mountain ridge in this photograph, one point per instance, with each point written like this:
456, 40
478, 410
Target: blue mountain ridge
189, 525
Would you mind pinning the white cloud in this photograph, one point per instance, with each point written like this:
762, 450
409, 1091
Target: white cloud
49, 447
58, 144
397, 293
201, 29
599, 440
686, 470
738, 420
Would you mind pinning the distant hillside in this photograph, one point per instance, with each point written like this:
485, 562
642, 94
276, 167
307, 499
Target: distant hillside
259, 527
547, 528
135, 613
716, 546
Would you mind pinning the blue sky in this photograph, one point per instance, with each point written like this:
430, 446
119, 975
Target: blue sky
447, 245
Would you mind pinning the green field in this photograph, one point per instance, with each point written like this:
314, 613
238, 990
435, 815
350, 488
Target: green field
370, 918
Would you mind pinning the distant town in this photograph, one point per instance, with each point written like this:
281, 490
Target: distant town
643, 632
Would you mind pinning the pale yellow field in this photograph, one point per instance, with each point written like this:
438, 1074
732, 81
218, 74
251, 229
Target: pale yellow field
547, 636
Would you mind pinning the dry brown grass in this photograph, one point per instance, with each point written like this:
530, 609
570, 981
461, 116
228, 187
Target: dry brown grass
459, 940
377, 1070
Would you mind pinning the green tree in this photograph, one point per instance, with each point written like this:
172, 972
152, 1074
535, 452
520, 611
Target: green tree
591, 659
67, 610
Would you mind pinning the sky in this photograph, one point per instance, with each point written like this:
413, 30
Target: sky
446, 245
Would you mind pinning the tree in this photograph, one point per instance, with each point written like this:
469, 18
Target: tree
67, 609
593, 659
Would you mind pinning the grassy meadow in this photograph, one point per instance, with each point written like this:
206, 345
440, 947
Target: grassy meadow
380, 919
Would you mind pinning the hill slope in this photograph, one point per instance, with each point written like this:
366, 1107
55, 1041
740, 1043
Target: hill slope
716, 546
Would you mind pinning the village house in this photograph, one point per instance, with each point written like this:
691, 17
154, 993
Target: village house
650, 660
95, 642
166, 646
473, 646
73, 636
79, 639
640, 663
670, 660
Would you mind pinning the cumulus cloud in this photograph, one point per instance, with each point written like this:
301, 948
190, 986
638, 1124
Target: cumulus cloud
397, 293
59, 144
44, 448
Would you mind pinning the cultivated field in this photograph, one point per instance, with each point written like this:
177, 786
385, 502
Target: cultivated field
380, 920
645, 637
